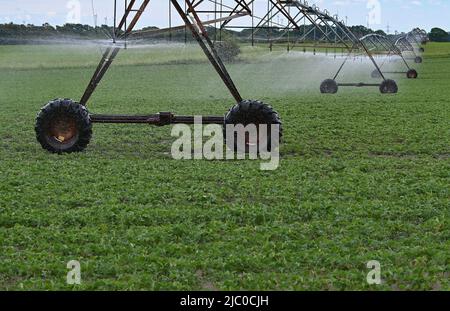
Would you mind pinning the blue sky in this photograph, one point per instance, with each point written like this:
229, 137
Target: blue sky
401, 15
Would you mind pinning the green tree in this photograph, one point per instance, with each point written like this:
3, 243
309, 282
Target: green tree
439, 35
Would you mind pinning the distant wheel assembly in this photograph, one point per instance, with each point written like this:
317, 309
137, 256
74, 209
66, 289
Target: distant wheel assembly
63, 126
375, 74
329, 86
388, 87
412, 74
418, 60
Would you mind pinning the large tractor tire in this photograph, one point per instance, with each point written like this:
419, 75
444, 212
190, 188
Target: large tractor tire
257, 113
329, 86
388, 87
63, 126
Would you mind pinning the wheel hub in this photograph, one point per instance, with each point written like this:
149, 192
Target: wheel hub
63, 129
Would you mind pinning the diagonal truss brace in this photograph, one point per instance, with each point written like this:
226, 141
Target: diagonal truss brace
191, 20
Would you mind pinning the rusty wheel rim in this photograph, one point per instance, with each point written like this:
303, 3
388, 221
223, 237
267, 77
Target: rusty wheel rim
63, 129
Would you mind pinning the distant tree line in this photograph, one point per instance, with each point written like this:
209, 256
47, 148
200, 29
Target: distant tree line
23, 34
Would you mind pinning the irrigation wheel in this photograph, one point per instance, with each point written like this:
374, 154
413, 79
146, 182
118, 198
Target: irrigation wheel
388, 87
418, 60
421, 50
253, 112
329, 86
63, 126
412, 74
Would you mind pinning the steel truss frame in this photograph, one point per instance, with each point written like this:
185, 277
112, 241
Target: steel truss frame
331, 30
327, 24
190, 16
418, 36
383, 45
412, 44
296, 12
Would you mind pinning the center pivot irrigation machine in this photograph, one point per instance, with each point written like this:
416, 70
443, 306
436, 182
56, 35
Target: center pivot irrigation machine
64, 125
